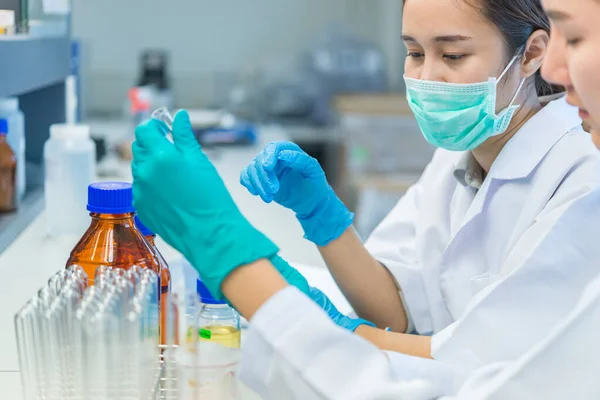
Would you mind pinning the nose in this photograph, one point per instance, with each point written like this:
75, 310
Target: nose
429, 72
555, 69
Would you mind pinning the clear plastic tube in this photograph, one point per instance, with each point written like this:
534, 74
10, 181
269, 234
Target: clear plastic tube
163, 115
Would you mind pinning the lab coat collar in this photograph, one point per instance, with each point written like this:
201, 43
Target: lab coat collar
468, 172
521, 155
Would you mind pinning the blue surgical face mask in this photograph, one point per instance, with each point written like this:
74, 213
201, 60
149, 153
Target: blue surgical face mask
459, 117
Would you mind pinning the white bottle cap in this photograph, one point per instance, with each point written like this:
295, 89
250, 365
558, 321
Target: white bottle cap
69, 131
9, 103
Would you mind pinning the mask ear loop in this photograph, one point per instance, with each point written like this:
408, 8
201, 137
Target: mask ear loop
510, 64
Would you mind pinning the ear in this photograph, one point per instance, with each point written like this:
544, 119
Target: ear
535, 52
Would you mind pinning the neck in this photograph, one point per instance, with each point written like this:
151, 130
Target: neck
487, 153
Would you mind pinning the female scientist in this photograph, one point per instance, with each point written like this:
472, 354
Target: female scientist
459, 257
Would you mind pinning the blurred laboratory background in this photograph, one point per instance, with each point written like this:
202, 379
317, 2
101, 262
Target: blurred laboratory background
77, 77
326, 75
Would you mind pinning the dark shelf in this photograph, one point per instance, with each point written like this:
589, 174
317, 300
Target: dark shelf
13, 224
30, 63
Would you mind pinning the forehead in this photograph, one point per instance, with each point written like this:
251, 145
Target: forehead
562, 10
442, 17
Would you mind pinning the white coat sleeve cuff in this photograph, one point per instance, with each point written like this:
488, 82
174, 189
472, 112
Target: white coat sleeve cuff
440, 338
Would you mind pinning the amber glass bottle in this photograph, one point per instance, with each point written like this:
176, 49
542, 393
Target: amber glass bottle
112, 239
8, 172
165, 276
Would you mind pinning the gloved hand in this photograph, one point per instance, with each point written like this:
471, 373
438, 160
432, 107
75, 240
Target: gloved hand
340, 319
284, 173
180, 196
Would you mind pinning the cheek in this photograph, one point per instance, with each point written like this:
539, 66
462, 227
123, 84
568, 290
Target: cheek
583, 70
596, 137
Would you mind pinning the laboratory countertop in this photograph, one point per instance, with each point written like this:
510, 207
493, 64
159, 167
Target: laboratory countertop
33, 257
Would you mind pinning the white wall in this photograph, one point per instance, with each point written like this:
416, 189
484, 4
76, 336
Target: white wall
204, 36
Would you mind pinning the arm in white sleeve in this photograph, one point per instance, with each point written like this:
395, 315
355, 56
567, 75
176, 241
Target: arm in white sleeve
564, 365
294, 351
546, 273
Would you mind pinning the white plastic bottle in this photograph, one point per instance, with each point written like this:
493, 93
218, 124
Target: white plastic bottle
70, 164
9, 110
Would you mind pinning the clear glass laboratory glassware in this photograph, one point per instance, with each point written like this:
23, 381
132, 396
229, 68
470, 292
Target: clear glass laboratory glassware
169, 388
43, 340
220, 341
77, 274
145, 301
163, 115
187, 357
25, 332
57, 281
67, 341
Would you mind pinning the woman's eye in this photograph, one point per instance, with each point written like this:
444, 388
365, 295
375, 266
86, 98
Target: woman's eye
454, 57
415, 54
573, 42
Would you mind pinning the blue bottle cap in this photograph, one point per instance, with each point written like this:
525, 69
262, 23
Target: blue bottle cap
3, 127
110, 198
205, 295
143, 228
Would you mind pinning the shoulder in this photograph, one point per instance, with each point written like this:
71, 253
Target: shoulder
574, 163
576, 143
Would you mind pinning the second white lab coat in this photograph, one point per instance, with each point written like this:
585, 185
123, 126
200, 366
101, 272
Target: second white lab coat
444, 241
489, 272
295, 352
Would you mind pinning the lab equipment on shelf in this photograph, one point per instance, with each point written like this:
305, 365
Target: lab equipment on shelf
8, 172
9, 110
70, 164
154, 74
7, 22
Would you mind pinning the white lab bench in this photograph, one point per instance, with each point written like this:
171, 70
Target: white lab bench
32, 258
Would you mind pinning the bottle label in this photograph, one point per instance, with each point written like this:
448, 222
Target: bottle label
205, 334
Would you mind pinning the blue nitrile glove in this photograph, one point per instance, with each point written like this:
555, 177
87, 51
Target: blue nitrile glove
340, 319
283, 173
291, 275
180, 196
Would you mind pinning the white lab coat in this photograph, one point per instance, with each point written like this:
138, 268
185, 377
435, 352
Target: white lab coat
451, 247
294, 351
563, 366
